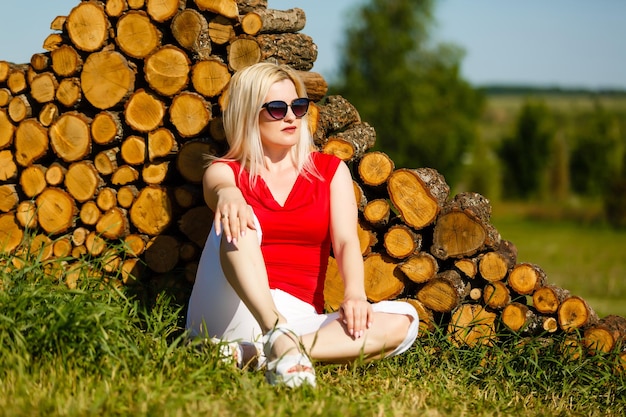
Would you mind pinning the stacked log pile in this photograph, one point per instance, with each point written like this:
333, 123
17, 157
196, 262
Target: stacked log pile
102, 136
102, 140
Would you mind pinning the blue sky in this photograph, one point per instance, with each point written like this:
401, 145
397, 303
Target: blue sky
569, 43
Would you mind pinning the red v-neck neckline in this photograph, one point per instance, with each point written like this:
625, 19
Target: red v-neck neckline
271, 194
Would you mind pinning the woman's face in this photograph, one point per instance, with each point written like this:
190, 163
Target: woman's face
283, 133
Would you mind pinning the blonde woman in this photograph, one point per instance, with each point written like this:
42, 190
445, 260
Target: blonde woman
279, 208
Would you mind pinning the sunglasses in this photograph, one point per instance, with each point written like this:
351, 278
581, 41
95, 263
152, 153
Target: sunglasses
278, 109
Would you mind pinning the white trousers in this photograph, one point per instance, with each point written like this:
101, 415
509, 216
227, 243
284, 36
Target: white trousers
215, 310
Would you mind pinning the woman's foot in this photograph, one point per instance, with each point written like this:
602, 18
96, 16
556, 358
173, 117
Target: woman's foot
293, 368
244, 355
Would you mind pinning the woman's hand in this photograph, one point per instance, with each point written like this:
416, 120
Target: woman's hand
233, 215
357, 315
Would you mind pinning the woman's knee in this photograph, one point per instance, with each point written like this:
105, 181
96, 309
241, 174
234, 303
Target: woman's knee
397, 327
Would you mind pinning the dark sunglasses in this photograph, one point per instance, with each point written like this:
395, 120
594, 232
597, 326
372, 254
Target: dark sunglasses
278, 109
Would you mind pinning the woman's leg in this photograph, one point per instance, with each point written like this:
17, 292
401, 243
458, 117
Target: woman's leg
244, 268
393, 330
215, 310
332, 343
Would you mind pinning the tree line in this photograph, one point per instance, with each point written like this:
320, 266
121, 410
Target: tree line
410, 88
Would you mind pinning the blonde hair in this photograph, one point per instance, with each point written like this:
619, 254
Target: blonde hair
246, 94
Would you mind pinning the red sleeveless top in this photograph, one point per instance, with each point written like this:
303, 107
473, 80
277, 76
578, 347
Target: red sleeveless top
296, 236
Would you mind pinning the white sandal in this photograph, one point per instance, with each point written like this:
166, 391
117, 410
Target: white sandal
230, 352
283, 370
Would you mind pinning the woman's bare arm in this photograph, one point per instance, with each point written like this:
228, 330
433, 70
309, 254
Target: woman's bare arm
233, 216
355, 310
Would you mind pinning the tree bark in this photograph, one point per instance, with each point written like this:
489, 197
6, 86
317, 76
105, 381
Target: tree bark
226, 8
575, 313
294, 49
547, 299
273, 21
444, 292
191, 30
414, 197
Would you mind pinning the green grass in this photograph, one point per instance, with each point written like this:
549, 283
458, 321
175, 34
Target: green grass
94, 350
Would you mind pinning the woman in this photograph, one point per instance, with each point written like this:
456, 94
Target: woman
279, 207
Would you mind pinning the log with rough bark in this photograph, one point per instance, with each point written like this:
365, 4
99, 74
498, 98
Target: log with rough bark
273, 21
352, 143
191, 30
575, 313
608, 333
523, 319
496, 265
417, 194
463, 228
443, 293
332, 114
526, 278
547, 299
294, 49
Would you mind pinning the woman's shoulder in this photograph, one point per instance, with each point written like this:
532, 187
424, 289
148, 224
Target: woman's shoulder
325, 161
220, 164
224, 168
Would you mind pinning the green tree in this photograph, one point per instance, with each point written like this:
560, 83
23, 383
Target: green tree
597, 155
408, 89
525, 154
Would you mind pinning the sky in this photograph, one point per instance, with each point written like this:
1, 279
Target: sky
564, 43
